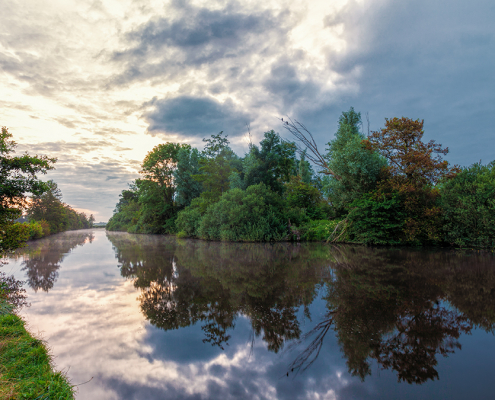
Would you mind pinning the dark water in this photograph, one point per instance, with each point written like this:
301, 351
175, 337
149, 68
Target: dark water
152, 317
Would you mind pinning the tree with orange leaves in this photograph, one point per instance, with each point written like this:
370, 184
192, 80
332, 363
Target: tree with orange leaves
408, 182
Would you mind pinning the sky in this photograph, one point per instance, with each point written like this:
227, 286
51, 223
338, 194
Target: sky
98, 84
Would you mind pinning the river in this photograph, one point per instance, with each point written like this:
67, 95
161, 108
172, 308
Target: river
155, 317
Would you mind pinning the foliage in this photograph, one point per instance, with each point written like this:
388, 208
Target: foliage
217, 165
251, 215
302, 195
187, 188
14, 235
413, 169
188, 220
377, 219
18, 176
317, 230
410, 161
272, 164
468, 202
356, 168
48, 208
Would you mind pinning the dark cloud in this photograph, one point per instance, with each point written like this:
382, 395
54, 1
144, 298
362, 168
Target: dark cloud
427, 60
288, 87
195, 116
163, 47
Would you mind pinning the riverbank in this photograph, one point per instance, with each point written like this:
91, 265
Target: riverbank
26, 370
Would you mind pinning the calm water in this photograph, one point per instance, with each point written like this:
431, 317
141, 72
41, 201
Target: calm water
152, 317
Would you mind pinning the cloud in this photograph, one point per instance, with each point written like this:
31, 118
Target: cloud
194, 37
427, 60
195, 116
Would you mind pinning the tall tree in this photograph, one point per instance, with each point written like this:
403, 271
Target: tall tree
357, 167
187, 188
272, 164
414, 167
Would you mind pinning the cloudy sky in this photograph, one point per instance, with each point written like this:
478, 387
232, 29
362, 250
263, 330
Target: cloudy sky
98, 83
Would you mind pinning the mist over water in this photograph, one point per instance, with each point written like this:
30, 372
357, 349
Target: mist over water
148, 316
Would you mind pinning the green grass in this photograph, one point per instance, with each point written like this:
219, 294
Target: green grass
25, 365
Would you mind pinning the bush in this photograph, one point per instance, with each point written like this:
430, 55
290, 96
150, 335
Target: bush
13, 235
468, 202
35, 230
252, 215
188, 220
377, 219
318, 230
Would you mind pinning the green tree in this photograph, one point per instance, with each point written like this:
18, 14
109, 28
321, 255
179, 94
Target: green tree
271, 164
18, 178
356, 168
49, 207
252, 215
187, 188
157, 189
468, 203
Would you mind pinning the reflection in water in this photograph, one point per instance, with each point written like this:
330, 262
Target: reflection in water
184, 282
401, 308
42, 258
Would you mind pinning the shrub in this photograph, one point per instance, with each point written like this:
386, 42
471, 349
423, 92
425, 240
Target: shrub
187, 222
377, 219
35, 230
468, 202
318, 230
251, 215
13, 235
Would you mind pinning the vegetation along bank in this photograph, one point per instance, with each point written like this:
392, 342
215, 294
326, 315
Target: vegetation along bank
385, 188
26, 370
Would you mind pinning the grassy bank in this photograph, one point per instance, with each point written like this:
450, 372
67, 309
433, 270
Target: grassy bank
25, 366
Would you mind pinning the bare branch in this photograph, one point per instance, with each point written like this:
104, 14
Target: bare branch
306, 141
304, 360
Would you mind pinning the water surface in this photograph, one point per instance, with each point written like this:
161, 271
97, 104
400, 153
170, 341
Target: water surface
154, 317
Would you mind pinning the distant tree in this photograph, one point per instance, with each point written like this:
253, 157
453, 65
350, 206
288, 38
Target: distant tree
49, 207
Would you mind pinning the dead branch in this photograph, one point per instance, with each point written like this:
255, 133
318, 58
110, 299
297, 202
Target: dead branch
305, 140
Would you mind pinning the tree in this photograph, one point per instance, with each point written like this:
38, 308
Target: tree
18, 178
187, 188
357, 167
414, 167
157, 189
468, 203
216, 166
49, 207
410, 161
272, 164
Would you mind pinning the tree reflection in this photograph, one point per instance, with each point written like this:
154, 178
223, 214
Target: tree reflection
391, 306
400, 308
214, 283
42, 258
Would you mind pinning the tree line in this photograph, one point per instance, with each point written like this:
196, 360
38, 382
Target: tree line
388, 187
23, 195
